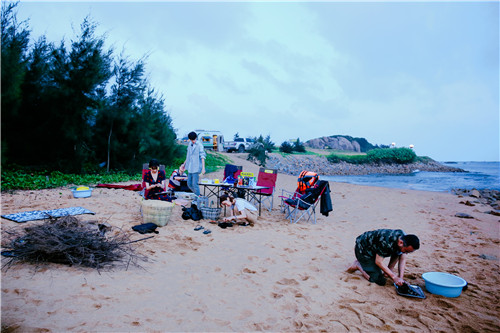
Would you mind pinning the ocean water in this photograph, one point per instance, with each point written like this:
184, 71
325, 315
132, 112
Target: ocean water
479, 175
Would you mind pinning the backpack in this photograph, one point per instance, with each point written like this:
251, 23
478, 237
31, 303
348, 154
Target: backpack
191, 213
145, 228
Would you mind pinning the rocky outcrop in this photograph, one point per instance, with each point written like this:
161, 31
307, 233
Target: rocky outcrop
484, 197
338, 143
294, 164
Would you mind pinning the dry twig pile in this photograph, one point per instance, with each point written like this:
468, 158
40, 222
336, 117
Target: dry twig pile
71, 242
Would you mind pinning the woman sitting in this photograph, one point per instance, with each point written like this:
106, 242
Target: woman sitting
243, 212
154, 180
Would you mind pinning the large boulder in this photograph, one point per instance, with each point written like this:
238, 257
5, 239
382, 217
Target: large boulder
339, 143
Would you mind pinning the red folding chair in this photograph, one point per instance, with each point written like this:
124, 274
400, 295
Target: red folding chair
267, 178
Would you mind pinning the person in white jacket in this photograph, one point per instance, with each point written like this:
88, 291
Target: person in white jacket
195, 162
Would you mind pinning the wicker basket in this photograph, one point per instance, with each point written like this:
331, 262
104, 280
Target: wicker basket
156, 211
210, 213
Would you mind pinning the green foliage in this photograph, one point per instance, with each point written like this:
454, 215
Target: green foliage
74, 107
286, 147
19, 179
353, 159
266, 142
394, 155
258, 155
15, 39
299, 146
390, 156
215, 161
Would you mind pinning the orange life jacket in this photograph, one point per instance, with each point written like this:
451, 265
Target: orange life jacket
306, 180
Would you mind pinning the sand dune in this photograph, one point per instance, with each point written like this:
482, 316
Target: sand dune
272, 277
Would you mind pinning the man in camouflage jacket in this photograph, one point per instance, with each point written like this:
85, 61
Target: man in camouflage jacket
373, 246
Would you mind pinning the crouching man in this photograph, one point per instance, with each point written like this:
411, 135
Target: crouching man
373, 246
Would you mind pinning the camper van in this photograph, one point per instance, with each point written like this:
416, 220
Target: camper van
213, 140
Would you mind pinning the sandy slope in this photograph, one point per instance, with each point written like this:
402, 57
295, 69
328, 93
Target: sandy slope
272, 277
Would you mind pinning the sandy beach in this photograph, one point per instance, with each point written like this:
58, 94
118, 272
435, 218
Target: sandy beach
270, 277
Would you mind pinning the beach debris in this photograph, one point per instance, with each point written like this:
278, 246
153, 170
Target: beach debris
493, 212
68, 241
487, 257
464, 216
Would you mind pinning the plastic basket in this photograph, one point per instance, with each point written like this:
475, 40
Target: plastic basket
202, 201
156, 211
210, 213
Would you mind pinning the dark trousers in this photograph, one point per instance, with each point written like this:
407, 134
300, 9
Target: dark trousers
371, 268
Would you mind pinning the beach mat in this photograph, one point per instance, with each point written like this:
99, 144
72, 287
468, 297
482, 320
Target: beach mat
45, 214
133, 187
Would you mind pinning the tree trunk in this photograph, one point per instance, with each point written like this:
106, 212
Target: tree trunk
109, 146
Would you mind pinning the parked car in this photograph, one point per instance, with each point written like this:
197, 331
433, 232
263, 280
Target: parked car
239, 145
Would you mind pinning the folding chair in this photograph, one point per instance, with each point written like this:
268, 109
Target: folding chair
306, 180
304, 205
231, 172
267, 177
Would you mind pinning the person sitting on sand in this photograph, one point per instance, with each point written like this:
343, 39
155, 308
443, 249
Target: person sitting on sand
178, 180
241, 209
373, 246
154, 180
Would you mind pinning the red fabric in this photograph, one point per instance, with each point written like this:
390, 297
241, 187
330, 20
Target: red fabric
133, 187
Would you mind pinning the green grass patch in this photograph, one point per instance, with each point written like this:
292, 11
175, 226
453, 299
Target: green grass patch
382, 155
23, 179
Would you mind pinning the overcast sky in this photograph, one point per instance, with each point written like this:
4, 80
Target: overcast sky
420, 73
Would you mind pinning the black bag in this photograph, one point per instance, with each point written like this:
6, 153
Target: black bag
191, 213
145, 228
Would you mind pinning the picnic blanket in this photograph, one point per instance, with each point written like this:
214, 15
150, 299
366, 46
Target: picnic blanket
45, 214
133, 187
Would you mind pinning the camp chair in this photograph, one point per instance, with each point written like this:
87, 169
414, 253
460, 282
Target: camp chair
303, 206
306, 180
231, 172
267, 177
145, 168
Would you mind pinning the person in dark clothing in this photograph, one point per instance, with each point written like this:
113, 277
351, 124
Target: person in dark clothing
373, 246
154, 180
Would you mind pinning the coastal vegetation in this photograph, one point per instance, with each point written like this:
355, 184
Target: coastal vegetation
77, 107
379, 155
